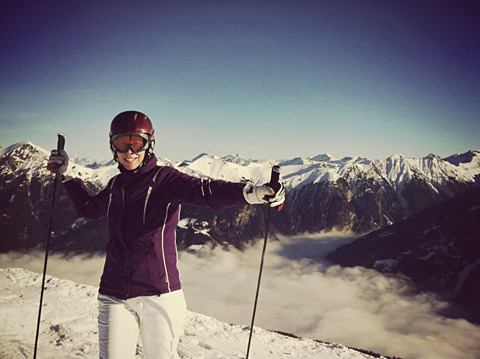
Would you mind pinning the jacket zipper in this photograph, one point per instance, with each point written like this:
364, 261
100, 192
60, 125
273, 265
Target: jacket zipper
149, 192
110, 197
127, 259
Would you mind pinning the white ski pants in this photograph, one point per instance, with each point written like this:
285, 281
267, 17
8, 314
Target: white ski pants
158, 319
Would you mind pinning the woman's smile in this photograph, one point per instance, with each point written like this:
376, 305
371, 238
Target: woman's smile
131, 160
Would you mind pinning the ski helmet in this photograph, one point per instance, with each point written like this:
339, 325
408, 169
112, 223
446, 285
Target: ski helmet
133, 123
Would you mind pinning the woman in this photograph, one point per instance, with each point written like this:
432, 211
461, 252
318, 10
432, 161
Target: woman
140, 290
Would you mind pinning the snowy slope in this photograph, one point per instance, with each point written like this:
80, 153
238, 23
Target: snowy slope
68, 328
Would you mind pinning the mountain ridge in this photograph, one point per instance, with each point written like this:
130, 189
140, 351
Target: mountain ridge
323, 193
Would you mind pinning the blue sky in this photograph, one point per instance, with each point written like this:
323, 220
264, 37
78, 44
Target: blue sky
264, 79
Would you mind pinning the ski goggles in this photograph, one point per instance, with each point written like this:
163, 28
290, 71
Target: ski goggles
136, 142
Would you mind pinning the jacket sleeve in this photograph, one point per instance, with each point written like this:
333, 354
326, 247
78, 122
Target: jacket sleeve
183, 188
87, 206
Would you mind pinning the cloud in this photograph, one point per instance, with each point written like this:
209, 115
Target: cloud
303, 294
82, 269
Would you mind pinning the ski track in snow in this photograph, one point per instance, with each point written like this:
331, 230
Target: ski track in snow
69, 327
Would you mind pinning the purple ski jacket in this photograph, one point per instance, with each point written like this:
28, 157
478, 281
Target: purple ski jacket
142, 211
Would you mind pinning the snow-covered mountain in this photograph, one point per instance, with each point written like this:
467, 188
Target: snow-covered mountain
69, 327
323, 193
93, 163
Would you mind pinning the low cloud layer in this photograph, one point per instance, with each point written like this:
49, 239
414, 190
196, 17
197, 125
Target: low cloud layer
80, 269
303, 294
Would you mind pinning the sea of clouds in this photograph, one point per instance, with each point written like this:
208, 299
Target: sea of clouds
303, 294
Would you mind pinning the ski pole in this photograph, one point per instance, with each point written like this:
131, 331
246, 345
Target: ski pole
276, 186
60, 146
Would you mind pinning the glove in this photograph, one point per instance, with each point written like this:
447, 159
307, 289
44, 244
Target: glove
264, 194
58, 164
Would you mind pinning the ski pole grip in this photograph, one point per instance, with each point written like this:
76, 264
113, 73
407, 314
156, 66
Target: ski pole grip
60, 142
274, 178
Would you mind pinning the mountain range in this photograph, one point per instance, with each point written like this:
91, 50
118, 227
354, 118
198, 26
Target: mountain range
415, 216
323, 193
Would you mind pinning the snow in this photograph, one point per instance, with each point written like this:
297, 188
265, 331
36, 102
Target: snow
31, 159
386, 265
198, 227
295, 173
467, 162
68, 327
15, 146
298, 172
28, 157
464, 275
90, 162
386, 234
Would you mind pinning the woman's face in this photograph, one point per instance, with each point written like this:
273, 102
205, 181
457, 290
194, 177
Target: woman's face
131, 160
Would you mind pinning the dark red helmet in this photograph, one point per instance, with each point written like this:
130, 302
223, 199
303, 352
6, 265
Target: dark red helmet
133, 122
